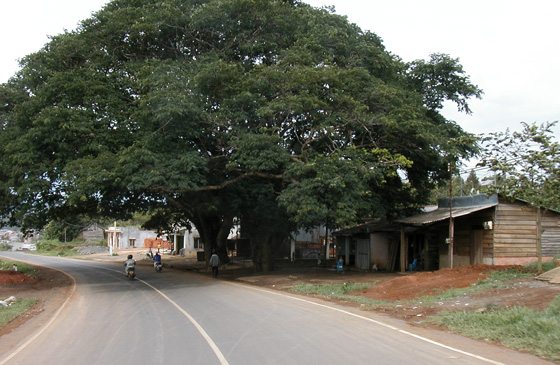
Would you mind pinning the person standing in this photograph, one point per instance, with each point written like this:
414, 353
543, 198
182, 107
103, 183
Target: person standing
214, 263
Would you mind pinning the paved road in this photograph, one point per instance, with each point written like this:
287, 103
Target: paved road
185, 318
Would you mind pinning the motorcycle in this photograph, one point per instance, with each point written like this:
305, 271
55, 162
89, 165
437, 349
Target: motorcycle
158, 265
130, 273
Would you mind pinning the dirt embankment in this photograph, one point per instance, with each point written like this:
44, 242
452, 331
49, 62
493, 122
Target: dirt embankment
429, 283
50, 288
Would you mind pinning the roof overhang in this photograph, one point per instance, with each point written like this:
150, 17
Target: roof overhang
377, 225
442, 214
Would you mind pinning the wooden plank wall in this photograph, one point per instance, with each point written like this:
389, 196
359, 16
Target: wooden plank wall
487, 245
551, 234
515, 230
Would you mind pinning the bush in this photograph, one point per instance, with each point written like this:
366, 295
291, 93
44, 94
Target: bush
546, 265
55, 248
5, 247
46, 245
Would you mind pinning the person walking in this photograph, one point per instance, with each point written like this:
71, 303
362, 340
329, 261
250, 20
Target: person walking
214, 263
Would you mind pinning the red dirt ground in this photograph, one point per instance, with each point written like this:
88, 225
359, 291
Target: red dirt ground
428, 283
14, 277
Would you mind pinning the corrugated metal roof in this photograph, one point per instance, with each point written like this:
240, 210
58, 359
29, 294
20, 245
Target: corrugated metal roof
377, 225
442, 214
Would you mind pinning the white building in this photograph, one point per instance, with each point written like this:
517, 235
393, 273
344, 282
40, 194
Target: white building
185, 242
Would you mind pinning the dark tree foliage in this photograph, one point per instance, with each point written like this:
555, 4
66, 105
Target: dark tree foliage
202, 111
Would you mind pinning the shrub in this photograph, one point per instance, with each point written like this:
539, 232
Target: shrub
46, 245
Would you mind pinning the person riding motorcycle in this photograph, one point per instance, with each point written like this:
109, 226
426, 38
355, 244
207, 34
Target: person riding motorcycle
157, 260
129, 264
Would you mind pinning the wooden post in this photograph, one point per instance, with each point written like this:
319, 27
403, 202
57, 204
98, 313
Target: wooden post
539, 240
403, 250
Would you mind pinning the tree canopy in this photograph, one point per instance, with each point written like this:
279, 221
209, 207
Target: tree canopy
527, 167
526, 164
203, 111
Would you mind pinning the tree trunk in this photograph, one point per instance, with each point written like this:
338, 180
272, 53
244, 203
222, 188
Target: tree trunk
269, 251
256, 254
214, 231
222, 237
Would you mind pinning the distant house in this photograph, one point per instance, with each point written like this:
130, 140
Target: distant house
308, 243
486, 229
93, 233
128, 237
188, 243
372, 243
183, 241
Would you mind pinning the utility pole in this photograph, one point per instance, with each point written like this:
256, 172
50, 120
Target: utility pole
451, 223
115, 234
113, 238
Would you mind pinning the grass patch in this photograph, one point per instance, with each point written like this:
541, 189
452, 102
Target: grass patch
338, 291
546, 266
21, 305
56, 248
330, 289
64, 249
17, 308
26, 269
5, 247
520, 328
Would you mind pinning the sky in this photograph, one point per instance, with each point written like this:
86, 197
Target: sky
510, 49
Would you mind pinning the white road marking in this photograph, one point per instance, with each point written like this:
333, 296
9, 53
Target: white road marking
201, 330
203, 333
376, 322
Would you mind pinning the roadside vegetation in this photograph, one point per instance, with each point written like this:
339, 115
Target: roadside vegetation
22, 267
57, 248
5, 247
338, 291
519, 328
21, 305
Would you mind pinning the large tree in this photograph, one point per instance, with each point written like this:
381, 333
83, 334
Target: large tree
187, 108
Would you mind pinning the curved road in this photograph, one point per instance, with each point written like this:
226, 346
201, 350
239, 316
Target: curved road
182, 318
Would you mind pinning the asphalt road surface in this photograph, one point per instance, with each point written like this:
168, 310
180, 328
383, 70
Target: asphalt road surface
186, 318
